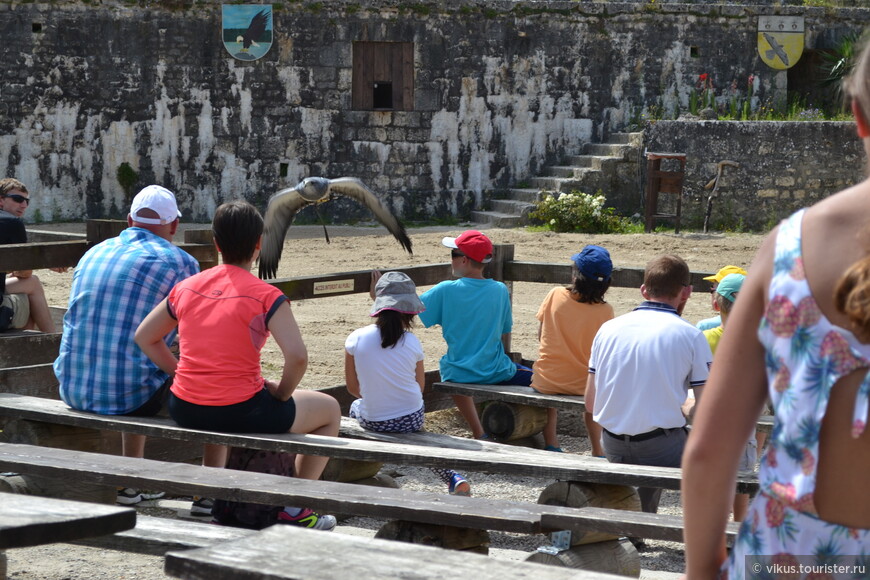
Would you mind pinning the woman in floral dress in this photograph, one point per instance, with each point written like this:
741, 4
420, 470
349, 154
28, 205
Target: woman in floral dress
800, 334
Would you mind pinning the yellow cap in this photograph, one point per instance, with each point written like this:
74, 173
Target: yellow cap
724, 272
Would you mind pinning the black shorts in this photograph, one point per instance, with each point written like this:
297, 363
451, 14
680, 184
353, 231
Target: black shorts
154, 405
262, 413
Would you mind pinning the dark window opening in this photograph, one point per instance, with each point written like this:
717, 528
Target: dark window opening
383, 76
382, 96
694, 52
282, 169
36, 27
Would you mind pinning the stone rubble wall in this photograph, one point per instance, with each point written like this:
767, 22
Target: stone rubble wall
501, 90
784, 166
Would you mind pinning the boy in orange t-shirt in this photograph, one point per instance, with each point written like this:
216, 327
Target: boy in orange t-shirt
569, 319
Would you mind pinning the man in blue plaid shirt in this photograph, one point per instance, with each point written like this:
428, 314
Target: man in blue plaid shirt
115, 285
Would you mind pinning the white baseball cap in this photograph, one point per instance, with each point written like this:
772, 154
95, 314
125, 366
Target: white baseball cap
157, 199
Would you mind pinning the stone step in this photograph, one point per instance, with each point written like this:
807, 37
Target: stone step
607, 149
558, 171
595, 162
547, 183
512, 207
523, 194
635, 139
497, 219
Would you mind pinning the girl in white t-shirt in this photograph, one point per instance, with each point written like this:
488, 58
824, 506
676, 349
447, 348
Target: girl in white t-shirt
383, 366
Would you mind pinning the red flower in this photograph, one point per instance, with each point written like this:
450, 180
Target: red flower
702, 77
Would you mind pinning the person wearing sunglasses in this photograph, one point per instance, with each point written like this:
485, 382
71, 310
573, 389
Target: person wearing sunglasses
474, 313
23, 303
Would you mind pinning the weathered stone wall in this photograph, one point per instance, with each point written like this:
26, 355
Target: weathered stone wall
501, 89
784, 166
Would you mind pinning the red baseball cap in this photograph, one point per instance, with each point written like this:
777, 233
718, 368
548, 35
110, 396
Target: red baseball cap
473, 244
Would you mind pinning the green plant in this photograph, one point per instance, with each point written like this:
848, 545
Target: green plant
578, 212
127, 178
693, 102
837, 63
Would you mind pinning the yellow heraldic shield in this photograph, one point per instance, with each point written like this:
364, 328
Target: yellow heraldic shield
780, 40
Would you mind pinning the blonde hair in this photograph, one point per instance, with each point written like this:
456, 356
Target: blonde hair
9, 183
852, 292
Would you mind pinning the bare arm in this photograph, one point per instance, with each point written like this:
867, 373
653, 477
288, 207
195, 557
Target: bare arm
724, 421
590, 393
149, 337
350, 378
421, 375
286, 333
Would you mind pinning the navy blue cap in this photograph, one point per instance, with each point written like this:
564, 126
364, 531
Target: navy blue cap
594, 263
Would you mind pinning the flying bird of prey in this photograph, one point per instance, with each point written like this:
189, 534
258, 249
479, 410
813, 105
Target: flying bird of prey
255, 30
284, 205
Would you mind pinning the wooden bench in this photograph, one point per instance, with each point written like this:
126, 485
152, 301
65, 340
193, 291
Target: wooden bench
515, 395
434, 510
33, 521
405, 448
296, 554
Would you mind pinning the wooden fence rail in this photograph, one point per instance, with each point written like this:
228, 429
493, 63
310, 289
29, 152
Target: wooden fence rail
43, 253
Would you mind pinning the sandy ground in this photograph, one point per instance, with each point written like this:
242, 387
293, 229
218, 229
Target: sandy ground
326, 322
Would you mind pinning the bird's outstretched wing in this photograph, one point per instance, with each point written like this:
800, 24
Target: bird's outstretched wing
353, 187
256, 28
279, 215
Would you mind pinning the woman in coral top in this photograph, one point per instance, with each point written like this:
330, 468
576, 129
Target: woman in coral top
224, 316
569, 319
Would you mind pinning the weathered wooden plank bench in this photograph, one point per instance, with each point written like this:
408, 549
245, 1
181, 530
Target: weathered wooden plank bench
34, 521
384, 503
528, 396
440, 450
155, 536
281, 552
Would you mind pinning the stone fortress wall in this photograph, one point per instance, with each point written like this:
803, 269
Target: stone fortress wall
500, 89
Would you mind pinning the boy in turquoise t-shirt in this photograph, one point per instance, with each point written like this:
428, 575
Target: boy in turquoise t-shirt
474, 312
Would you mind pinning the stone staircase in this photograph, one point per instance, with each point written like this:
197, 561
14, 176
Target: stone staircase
608, 167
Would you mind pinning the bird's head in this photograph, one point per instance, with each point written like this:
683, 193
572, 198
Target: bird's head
240, 39
313, 188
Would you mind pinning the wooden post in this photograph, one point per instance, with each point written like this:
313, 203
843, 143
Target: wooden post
502, 253
101, 230
509, 422
204, 237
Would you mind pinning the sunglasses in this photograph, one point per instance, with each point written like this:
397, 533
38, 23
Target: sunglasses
456, 254
18, 198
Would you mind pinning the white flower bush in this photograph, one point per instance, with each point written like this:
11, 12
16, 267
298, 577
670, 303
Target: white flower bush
578, 212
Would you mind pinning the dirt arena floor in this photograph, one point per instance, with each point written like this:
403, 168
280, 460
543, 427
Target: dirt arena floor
326, 322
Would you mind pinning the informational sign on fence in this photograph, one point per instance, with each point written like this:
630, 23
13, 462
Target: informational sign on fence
333, 287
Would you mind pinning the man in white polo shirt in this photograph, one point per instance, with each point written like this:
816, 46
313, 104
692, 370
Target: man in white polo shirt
642, 365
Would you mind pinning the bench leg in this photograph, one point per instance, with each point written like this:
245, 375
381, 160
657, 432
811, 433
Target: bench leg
613, 557
449, 537
3, 569
576, 494
508, 421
